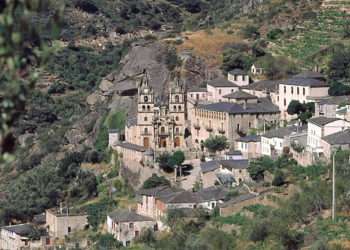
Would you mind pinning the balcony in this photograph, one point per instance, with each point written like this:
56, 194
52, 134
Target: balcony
209, 128
146, 133
221, 131
164, 133
197, 126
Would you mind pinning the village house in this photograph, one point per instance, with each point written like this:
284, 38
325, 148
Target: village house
224, 172
264, 89
305, 87
328, 106
232, 119
238, 77
155, 202
334, 142
22, 236
250, 146
233, 155
219, 87
61, 222
319, 127
125, 226
274, 141
256, 69
160, 125
133, 152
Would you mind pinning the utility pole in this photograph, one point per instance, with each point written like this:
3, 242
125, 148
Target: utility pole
333, 188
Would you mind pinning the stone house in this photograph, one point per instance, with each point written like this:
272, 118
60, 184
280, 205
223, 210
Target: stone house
20, 236
250, 146
333, 142
264, 89
238, 77
219, 87
133, 152
256, 69
328, 106
319, 127
62, 222
224, 172
274, 141
125, 226
160, 124
305, 87
231, 119
155, 202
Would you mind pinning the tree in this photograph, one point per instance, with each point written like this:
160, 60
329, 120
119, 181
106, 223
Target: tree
106, 242
304, 111
155, 181
257, 167
214, 238
216, 143
338, 89
295, 107
177, 159
251, 31
278, 179
339, 64
21, 48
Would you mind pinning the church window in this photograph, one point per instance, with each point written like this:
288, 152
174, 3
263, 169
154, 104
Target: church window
179, 108
148, 107
174, 107
145, 119
177, 98
176, 118
143, 107
145, 98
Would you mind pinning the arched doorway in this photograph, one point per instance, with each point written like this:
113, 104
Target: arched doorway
146, 142
162, 143
177, 142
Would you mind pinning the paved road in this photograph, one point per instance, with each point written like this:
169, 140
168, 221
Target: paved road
188, 181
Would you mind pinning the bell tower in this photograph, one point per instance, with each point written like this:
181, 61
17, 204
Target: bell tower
145, 111
177, 110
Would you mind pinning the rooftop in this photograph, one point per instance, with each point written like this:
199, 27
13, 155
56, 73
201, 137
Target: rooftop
310, 75
340, 138
212, 193
335, 100
322, 121
310, 82
197, 89
127, 216
282, 132
237, 72
209, 166
23, 230
240, 95
265, 85
131, 146
221, 82
235, 164
263, 106
250, 138
238, 199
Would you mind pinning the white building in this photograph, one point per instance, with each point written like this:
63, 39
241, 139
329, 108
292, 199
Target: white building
219, 87
305, 87
319, 127
239, 77
275, 140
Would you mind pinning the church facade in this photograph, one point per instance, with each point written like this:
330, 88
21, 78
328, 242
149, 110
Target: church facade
159, 126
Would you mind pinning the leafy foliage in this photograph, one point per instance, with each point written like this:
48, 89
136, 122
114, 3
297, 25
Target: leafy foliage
304, 111
216, 143
156, 181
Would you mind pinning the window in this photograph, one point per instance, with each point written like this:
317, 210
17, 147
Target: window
285, 102
197, 96
291, 90
179, 107
146, 131
285, 89
219, 91
237, 127
177, 98
131, 225
250, 125
143, 107
175, 108
145, 98
235, 77
297, 90
304, 91
191, 95
176, 118
69, 229
148, 107
145, 118
155, 227
231, 90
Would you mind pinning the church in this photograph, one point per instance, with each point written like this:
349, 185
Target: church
159, 124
